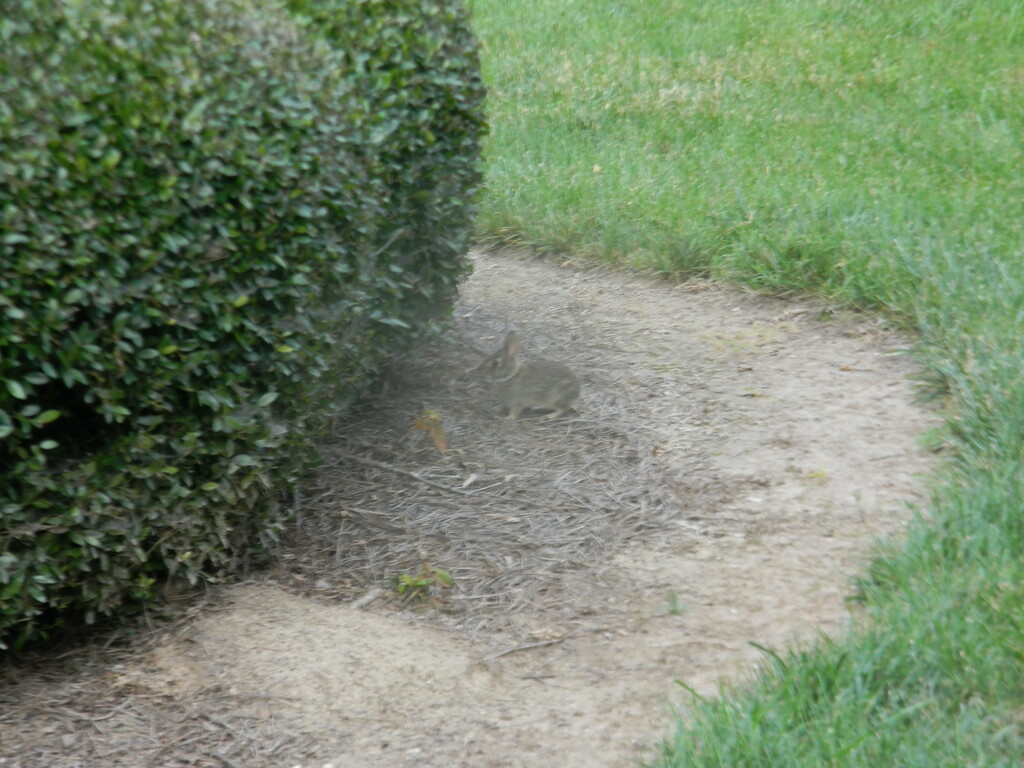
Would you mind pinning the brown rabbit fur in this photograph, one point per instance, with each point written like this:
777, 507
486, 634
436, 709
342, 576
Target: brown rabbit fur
529, 384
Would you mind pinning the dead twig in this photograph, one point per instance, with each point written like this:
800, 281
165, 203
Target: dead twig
406, 473
222, 760
527, 647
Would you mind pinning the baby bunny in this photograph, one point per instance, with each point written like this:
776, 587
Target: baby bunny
524, 385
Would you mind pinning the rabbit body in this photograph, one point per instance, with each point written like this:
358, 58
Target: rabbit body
526, 384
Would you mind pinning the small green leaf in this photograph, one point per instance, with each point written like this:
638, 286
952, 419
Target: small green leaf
393, 321
267, 399
46, 417
17, 582
111, 159
209, 399
17, 391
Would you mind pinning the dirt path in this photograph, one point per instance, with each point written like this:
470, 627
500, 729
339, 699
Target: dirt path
731, 459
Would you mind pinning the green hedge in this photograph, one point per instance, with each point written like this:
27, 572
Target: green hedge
217, 219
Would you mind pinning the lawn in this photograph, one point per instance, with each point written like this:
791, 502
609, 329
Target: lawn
872, 152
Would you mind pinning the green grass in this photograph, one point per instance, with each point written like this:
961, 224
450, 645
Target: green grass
870, 151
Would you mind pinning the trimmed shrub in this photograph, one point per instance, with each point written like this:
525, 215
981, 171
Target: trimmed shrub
217, 219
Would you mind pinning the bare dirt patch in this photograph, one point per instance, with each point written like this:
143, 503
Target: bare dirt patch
730, 461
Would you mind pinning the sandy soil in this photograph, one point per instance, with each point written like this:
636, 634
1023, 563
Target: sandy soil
781, 438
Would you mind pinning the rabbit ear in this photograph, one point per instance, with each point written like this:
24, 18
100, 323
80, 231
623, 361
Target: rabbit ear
512, 344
